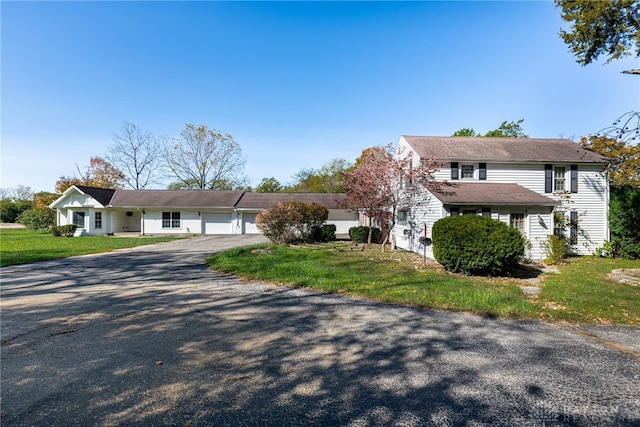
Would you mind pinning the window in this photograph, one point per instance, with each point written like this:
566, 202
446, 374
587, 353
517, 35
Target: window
559, 179
97, 220
402, 217
170, 219
517, 221
466, 171
469, 211
78, 219
573, 231
559, 223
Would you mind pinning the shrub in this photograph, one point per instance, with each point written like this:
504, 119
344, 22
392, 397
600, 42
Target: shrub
360, 234
624, 221
475, 244
10, 210
556, 248
37, 219
64, 230
327, 233
290, 221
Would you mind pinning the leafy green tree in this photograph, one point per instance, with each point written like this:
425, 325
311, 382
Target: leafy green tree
508, 129
610, 28
465, 132
10, 209
327, 179
37, 219
269, 185
624, 222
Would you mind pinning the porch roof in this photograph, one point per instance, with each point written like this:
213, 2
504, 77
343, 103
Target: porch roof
489, 194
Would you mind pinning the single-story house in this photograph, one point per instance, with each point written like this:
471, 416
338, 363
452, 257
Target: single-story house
99, 211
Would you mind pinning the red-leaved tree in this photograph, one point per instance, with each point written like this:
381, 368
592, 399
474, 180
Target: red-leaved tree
382, 181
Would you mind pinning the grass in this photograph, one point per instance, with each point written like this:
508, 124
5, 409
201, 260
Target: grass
20, 246
581, 292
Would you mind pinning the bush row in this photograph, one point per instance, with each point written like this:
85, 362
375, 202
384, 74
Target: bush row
360, 234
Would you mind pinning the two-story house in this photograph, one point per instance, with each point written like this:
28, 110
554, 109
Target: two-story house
539, 186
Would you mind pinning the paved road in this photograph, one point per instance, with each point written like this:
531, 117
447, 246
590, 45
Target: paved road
150, 336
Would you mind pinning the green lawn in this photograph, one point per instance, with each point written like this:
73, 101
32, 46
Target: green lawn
581, 292
20, 246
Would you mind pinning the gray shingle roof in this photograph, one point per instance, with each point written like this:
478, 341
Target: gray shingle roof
501, 149
490, 194
264, 200
175, 198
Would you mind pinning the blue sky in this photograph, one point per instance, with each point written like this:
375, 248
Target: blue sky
296, 84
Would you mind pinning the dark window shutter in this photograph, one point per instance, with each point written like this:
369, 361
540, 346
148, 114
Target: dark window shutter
548, 178
454, 170
454, 211
573, 221
574, 178
483, 172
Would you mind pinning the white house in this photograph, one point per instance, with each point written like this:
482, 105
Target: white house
520, 181
99, 211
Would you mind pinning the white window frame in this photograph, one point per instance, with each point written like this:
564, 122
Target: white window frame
559, 177
402, 216
467, 166
97, 220
80, 214
516, 218
173, 220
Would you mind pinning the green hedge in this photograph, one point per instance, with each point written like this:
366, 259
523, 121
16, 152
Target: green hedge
475, 244
64, 230
360, 234
326, 233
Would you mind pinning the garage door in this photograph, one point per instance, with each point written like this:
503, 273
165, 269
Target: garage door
343, 220
217, 223
249, 223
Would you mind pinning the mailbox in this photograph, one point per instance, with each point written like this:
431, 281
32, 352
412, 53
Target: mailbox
424, 240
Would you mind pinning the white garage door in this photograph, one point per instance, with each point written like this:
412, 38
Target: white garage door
343, 220
217, 223
249, 223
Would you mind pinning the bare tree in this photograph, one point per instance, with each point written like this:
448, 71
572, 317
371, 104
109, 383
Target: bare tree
138, 153
205, 159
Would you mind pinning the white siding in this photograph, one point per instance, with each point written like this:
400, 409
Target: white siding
190, 222
425, 211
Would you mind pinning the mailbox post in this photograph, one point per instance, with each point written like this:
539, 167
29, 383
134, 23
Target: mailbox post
424, 241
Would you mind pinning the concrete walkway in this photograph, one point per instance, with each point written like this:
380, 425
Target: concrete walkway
150, 336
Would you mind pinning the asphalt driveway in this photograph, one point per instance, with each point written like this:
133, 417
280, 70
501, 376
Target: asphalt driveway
151, 336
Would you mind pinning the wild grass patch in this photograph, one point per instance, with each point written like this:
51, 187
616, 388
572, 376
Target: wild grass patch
580, 292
